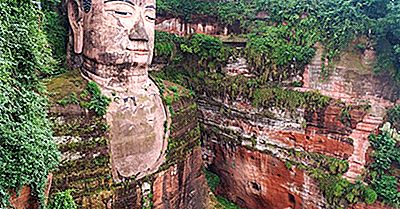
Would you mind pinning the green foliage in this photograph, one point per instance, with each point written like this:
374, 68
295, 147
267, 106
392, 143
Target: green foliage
54, 26
282, 43
147, 201
386, 156
207, 50
394, 116
385, 152
70, 99
225, 203
212, 180
98, 102
345, 116
200, 51
226, 12
62, 200
167, 47
386, 187
328, 172
289, 99
370, 196
340, 193
280, 51
27, 151
386, 26
288, 164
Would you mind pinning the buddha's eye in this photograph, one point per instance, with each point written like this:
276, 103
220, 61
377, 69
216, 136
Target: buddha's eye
150, 15
122, 13
150, 18
119, 9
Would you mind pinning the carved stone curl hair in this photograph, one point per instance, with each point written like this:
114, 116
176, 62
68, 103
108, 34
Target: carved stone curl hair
87, 5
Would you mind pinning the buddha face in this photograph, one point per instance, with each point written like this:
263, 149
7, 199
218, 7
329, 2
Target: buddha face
113, 32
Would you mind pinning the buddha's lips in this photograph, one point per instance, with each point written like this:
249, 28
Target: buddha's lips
139, 50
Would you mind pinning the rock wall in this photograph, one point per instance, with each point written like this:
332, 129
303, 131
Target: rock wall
182, 185
244, 146
86, 169
353, 81
251, 151
24, 199
253, 179
182, 28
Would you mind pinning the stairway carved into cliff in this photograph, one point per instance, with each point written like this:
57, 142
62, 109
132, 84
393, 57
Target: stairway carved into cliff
361, 143
352, 90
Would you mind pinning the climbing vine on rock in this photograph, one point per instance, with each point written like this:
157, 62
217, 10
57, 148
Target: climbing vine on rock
27, 151
62, 200
98, 102
382, 172
280, 31
55, 27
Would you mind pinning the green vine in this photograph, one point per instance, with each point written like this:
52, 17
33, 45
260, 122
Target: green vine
62, 200
386, 156
98, 102
27, 151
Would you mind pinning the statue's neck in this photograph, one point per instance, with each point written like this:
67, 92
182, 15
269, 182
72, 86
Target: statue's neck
123, 77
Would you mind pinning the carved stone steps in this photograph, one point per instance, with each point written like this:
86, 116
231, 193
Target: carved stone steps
361, 143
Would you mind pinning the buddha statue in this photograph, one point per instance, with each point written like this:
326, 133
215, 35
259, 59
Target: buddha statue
116, 40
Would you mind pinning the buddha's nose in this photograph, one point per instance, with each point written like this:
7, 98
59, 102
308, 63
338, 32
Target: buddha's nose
138, 32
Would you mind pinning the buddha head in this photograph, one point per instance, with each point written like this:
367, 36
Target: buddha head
115, 36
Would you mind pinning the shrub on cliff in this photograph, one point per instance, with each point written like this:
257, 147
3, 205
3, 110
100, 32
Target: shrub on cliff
208, 51
394, 116
279, 52
27, 152
167, 47
62, 200
56, 32
386, 156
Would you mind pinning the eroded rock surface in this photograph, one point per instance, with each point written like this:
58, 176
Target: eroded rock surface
182, 185
254, 179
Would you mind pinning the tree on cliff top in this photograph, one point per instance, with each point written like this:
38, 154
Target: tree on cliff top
27, 152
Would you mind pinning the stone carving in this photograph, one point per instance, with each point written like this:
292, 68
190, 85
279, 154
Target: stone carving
116, 41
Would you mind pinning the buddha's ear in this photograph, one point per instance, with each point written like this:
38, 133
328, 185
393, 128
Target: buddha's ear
75, 17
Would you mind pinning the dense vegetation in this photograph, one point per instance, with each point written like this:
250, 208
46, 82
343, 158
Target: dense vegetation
56, 32
62, 200
27, 151
394, 116
290, 30
383, 172
278, 50
197, 63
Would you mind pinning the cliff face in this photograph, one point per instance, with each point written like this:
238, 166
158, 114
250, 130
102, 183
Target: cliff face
180, 27
86, 168
255, 179
260, 154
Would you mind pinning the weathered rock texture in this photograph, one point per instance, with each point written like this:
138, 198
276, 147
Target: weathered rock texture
117, 59
353, 82
248, 148
254, 179
182, 185
244, 146
24, 200
182, 28
84, 141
